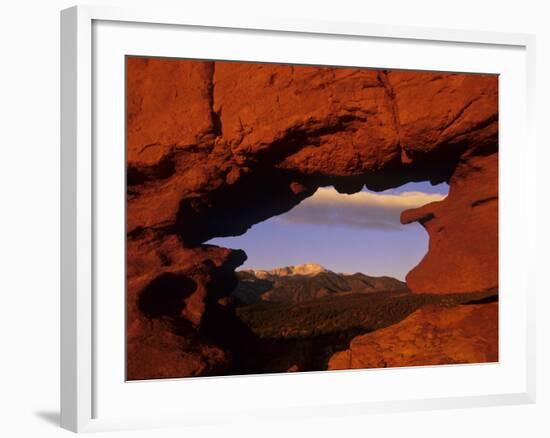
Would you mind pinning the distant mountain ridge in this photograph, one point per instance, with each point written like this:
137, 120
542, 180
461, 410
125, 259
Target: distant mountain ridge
305, 269
309, 281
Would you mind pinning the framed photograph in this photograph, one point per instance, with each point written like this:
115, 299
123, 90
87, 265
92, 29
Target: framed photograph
269, 207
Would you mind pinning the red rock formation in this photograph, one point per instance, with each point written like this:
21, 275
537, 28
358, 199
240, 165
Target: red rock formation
430, 336
463, 248
215, 147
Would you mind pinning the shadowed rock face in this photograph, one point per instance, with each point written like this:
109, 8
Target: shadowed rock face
215, 147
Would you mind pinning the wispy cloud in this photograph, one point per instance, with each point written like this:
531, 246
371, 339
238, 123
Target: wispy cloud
360, 210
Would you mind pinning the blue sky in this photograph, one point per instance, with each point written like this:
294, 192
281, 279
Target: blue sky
344, 233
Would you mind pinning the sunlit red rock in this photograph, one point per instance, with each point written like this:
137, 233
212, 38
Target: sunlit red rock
463, 248
432, 335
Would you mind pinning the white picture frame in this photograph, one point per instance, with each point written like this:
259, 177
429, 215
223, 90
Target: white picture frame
80, 168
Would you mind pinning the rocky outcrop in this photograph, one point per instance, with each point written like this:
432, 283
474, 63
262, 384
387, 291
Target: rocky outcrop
215, 147
432, 335
463, 230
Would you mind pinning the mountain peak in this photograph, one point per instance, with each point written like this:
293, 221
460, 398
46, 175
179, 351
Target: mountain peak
305, 269
304, 282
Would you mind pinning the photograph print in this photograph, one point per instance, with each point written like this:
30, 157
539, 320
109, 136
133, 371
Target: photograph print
293, 218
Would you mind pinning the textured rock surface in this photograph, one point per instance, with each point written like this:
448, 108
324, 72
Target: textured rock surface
463, 248
432, 335
215, 147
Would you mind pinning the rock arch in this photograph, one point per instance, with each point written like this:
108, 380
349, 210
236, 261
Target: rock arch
215, 147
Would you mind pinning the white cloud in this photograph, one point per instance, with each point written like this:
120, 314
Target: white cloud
360, 210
